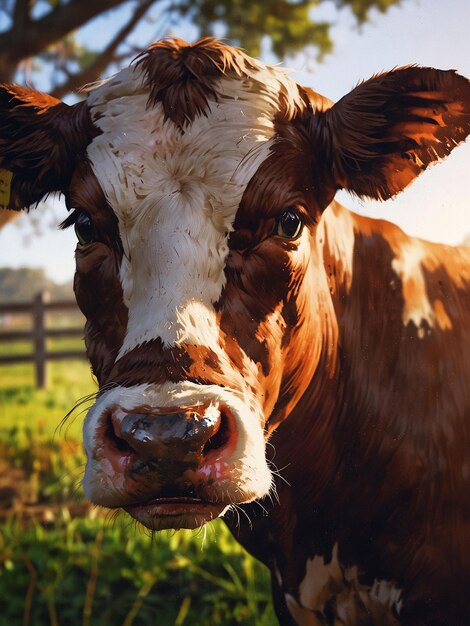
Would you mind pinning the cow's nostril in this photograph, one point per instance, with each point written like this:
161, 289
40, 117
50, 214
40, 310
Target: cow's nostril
220, 438
181, 436
117, 442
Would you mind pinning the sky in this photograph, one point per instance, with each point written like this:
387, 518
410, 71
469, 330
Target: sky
436, 206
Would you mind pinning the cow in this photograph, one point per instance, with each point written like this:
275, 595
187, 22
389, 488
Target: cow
264, 354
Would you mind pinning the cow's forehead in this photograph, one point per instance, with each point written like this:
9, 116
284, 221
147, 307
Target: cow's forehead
139, 139
185, 86
176, 188
142, 151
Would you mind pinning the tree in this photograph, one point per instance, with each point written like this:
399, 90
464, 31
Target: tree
19, 285
43, 32
42, 37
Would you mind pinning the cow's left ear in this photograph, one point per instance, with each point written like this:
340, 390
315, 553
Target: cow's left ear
41, 139
385, 132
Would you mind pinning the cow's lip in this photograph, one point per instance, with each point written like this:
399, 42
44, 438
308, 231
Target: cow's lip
172, 506
161, 513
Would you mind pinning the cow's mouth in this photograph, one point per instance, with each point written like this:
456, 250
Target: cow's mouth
160, 513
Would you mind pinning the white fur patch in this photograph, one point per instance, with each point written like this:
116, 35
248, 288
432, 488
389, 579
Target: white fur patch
323, 581
246, 475
176, 194
387, 594
315, 588
302, 617
408, 265
336, 232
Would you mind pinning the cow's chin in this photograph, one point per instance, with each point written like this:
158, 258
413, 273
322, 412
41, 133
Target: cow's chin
175, 513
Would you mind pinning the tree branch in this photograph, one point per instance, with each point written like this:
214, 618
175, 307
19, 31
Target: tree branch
36, 35
95, 69
22, 13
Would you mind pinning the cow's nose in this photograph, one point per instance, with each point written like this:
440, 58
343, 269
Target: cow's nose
153, 435
181, 436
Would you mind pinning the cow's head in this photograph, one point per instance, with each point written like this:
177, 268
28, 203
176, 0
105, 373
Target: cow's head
195, 180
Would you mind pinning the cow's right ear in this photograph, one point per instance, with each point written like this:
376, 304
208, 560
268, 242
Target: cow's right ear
41, 139
378, 138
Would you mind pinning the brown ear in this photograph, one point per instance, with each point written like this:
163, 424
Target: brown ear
40, 141
385, 132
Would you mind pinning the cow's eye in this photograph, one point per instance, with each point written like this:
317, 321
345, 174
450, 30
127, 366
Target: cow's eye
289, 224
84, 229
82, 224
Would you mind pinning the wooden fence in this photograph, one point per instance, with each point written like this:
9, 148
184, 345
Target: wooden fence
39, 333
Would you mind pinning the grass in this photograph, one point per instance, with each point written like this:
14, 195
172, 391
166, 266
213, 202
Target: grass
101, 573
22, 405
96, 570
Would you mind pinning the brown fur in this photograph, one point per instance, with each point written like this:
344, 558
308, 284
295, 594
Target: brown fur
367, 410
386, 131
184, 77
41, 140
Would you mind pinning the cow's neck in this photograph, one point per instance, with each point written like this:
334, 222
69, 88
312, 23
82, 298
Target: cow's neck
350, 454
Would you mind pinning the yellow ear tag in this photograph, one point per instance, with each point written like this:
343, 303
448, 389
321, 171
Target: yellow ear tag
5, 187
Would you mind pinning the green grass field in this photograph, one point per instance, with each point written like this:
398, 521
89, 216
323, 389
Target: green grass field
24, 406
96, 569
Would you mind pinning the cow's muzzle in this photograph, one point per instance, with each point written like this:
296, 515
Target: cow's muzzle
175, 455
159, 455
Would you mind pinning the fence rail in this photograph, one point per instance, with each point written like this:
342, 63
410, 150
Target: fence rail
39, 334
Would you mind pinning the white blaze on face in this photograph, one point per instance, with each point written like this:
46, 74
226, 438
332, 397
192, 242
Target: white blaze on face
176, 194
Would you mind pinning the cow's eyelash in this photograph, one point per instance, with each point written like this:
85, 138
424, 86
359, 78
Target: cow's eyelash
71, 219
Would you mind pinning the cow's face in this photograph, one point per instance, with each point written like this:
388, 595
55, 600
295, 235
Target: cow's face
195, 192
205, 275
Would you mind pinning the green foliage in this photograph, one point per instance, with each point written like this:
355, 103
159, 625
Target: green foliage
288, 23
361, 8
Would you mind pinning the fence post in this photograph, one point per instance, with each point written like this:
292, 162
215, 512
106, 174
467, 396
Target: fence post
39, 334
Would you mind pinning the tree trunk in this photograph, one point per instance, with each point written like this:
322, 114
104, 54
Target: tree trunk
7, 68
